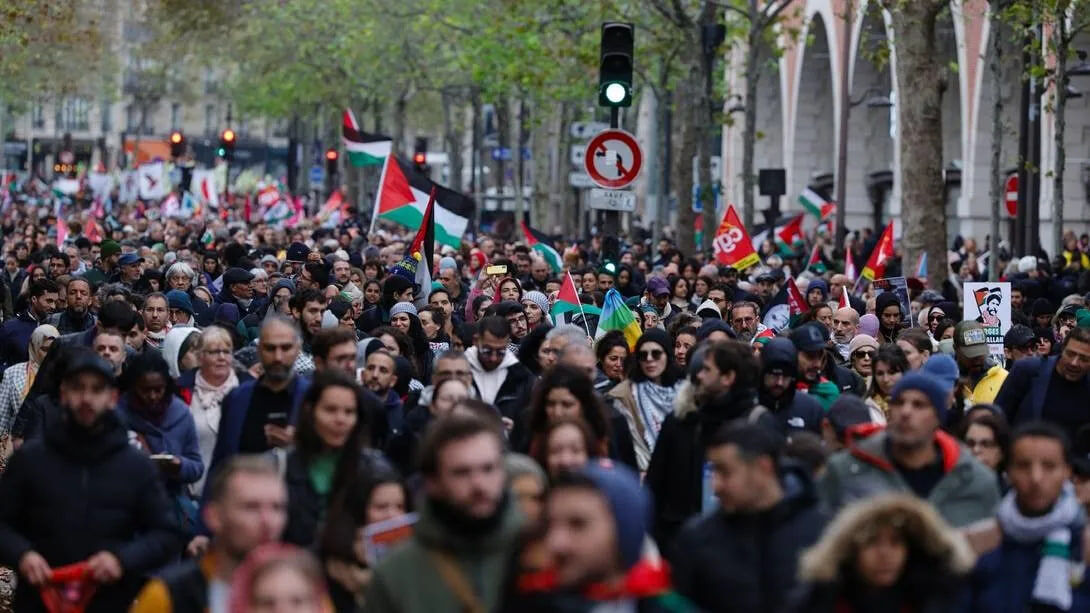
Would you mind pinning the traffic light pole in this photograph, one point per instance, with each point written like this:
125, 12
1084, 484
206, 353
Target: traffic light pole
611, 220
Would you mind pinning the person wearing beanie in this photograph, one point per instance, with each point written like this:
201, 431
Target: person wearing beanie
847, 412
596, 525
913, 454
817, 292
181, 308
779, 374
395, 288
887, 307
861, 352
868, 324
740, 555
714, 330
1042, 311
536, 305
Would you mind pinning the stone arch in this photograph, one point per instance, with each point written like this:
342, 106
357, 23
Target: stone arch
814, 139
869, 178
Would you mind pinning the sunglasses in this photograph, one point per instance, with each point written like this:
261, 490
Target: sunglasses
863, 354
936, 317
650, 356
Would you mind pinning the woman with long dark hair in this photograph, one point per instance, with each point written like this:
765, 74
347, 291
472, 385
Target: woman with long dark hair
889, 365
328, 457
562, 392
647, 396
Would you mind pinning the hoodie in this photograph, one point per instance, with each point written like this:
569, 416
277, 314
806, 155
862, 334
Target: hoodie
507, 387
174, 434
793, 411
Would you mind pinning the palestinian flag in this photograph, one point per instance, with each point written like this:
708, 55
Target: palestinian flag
422, 250
815, 205
363, 149
783, 234
795, 300
403, 195
816, 262
541, 243
567, 299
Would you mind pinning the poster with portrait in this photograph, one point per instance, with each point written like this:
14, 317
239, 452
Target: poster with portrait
899, 286
990, 305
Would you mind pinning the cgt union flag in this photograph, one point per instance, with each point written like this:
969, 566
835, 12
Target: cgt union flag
732, 244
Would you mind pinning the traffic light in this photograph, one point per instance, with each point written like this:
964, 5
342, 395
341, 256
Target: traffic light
420, 153
227, 145
331, 157
177, 144
615, 65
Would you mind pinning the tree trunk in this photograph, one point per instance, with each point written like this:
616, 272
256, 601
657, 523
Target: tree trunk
1059, 124
996, 194
503, 128
704, 130
548, 154
749, 137
920, 78
453, 120
687, 110
400, 108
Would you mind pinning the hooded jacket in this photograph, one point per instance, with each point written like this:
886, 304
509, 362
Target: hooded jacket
793, 411
175, 434
408, 580
929, 584
745, 562
967, 492
507, 387
675, 474
74, 493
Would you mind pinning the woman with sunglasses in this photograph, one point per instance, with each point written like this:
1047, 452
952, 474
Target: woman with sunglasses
888, 366
861, 354
986, 433
647, 396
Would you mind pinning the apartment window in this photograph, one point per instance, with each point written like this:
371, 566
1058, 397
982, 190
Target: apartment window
175, 115
107, 116
73, 115
209, 119
38, 116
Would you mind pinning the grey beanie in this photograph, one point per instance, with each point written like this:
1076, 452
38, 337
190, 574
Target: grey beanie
404, 307
538, 298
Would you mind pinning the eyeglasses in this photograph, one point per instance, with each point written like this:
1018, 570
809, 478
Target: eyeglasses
650, 356
984, 443
863, 354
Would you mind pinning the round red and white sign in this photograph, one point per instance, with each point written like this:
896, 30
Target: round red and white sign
613, 159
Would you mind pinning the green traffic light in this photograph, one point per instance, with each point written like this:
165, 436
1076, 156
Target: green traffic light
221, 152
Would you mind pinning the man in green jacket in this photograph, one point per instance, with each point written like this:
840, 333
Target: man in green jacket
458, 556
913, 455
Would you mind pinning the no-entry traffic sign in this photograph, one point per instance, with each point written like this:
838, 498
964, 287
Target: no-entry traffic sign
613, 159
1012, 195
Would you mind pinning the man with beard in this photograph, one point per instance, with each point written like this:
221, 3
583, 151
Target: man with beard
380, 377
259, 415
845, 327
15, 333
818, 373
461, 547
156, 314
82, 493
76, 316
779, 372
913, 455
745, 319
722, 386
306, 308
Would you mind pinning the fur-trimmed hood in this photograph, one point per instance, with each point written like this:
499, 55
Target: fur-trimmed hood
825, 561
685, 401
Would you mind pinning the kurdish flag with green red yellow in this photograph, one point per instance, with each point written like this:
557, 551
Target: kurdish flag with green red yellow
403, 195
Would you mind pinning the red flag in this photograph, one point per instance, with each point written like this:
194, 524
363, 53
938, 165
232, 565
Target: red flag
849, 266
732, 244
567, 294
843, 299
791, 232
883, 251
795, 300
815, 257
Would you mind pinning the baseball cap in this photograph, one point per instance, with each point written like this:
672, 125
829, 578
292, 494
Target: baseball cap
1020, 335
108, 248
969, 340
128, 259
87, 361
657, 286
809, 337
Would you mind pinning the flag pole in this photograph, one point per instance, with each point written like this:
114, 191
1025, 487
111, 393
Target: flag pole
378, 196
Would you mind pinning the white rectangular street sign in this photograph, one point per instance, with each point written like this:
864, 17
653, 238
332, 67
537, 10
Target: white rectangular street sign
583, 130
612, 200
578, 154
580, 180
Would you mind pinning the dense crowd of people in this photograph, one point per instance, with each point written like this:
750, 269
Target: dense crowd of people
232, 417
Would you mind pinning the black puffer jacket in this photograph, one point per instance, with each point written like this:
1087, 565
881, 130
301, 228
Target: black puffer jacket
675, 474
75, 493
746, 562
